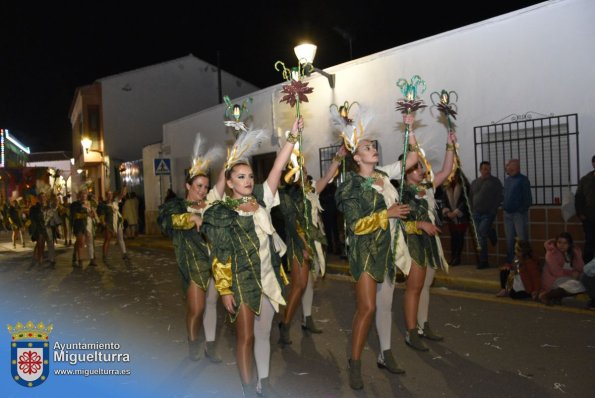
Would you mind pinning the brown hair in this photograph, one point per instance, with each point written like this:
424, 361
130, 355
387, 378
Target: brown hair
190, 180
238, 163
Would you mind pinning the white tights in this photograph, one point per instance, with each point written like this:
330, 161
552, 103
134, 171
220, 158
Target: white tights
384, 319
262, 337
308, 297
209, 318
424, 298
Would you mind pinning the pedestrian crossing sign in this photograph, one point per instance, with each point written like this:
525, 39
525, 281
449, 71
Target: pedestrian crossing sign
162, 166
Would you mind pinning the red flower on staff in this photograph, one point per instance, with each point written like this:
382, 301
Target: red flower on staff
294, 91
408, 106
30, 362
447, 109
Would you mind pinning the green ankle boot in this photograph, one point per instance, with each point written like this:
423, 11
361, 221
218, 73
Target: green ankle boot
284, 338
211, 352
386, 361
430, 334
310, 326
355, 374
414, 341
195, 349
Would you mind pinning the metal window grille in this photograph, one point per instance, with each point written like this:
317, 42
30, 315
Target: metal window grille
547, 149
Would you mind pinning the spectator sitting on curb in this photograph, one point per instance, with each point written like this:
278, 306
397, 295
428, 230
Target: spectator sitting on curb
562, 271
524, 279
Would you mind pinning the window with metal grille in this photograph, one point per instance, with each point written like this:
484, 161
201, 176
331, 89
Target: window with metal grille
546, 147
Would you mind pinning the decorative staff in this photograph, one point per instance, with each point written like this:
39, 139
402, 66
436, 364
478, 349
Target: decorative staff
294, 94
443, 102
234, 113
407, 105
343, 122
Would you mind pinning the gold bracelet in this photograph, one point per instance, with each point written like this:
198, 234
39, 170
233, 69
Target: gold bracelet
292, 138
414, 148
338, 158
450, 147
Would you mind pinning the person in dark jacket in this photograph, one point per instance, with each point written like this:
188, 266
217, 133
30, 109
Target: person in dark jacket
584, 202
486, 197
455, 212
517, 200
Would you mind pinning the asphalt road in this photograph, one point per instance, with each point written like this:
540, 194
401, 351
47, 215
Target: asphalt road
492, 347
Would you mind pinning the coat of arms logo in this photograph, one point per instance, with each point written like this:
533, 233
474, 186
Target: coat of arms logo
30, 353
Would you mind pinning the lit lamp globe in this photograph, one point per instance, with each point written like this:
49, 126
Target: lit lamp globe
305, 53
86, 143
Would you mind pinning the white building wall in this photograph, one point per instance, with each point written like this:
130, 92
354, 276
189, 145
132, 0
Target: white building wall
537, 59
136, 104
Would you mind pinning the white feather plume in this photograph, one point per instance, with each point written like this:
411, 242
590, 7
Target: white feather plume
201, 160
353, 130
246, 144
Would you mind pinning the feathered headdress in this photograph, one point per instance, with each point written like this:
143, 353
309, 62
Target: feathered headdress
245, 145
41, 187
202, 161
351, 122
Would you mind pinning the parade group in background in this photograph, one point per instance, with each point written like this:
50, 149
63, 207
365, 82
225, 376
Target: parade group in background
227, 247
48, 218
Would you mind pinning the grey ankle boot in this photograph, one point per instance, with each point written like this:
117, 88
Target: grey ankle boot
249, 390
310, 326
386, 361
195, 350
284, 338
211, 352
355, 374
430, 334
265, 388
412, 339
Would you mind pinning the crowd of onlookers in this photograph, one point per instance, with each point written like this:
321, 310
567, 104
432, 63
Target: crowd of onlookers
567, 270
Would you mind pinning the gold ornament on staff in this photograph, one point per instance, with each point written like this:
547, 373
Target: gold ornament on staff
448, 109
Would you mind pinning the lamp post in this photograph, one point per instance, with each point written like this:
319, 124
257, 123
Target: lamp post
305, 54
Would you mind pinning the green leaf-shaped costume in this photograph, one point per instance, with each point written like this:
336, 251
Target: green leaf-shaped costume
190, 246
235, 253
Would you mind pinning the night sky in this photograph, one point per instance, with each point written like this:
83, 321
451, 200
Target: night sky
48, 49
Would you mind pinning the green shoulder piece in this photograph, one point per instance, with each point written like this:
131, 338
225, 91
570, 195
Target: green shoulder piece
172, 206
350, 189
258, 193
219, 215
216, 225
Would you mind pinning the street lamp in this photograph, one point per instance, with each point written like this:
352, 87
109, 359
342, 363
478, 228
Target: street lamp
86, 143
305, 54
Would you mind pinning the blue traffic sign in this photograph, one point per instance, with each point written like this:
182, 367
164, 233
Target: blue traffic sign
162, 166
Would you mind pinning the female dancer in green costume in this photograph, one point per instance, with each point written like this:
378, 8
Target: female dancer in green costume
304, 244
424, 245
370, 206
182, 219
246, 257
